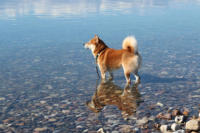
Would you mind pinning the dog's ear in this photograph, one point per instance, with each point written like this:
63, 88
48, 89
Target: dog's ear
96, 38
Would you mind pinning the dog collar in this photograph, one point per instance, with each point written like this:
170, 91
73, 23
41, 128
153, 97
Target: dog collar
100, 53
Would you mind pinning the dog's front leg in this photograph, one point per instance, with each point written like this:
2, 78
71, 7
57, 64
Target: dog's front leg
103, 75
103, 71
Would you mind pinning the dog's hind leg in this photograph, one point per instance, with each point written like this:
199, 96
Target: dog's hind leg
137, 78
111, 75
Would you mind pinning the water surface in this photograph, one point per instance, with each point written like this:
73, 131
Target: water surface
46, 76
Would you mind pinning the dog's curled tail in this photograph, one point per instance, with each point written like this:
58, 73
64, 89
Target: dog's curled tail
130, 44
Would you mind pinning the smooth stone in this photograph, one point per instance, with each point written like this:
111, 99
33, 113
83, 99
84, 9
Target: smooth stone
2, 126
79, 126
52, 120
179, 119
142, 121
159, 104
115, 131
85, 131
40, 129
125, 128
193, 125
166, 116
43, 102
186, 112
2, 98
152, 118
179, 131
100, 130
163, 128
175, 127
65, 111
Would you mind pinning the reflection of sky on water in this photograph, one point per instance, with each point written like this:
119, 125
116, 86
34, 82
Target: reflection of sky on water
13, 9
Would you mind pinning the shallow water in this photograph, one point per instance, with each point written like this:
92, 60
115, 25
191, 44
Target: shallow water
46, 76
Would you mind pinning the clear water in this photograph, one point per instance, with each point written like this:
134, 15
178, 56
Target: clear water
46, 76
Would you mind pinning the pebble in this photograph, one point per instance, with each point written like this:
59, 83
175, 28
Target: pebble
166, 116
199, 113
52, 120
163, 128
125, 128
179, 119
50, 87
186, 112
79, 126
85, 131
152, 118
142, 121
2, 98
193, 124
40, 129
159, 104
100, 130
179, 131
42, 102
175, 127
164, 73
115, 131
65, 111
2, 126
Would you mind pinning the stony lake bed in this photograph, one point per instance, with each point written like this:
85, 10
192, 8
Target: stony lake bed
47, 78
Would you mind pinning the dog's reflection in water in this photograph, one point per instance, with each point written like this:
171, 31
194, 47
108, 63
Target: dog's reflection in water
127, 100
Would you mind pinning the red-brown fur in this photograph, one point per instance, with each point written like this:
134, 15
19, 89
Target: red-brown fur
107, 93
110, 59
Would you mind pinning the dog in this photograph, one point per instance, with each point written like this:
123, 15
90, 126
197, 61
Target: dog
109, 59
107, 93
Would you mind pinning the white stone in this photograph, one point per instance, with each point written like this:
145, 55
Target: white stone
175, 127
100, 130
40, 129
193, 125
159, 104
179, 119
142, 121
179, 131
163, 128
42, 102
2, 98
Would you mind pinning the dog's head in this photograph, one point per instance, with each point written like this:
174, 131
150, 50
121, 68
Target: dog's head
92, 44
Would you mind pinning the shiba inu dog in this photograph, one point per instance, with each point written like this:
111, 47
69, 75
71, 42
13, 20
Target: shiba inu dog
127, 100
109, 59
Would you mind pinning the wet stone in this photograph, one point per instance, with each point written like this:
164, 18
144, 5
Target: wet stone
125, 128
175, 127
164, 128
166, 116
142, 121
52, 120
179, 119
2, 98
42, 102
193, 125
40, 129
180, 131
100, 130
